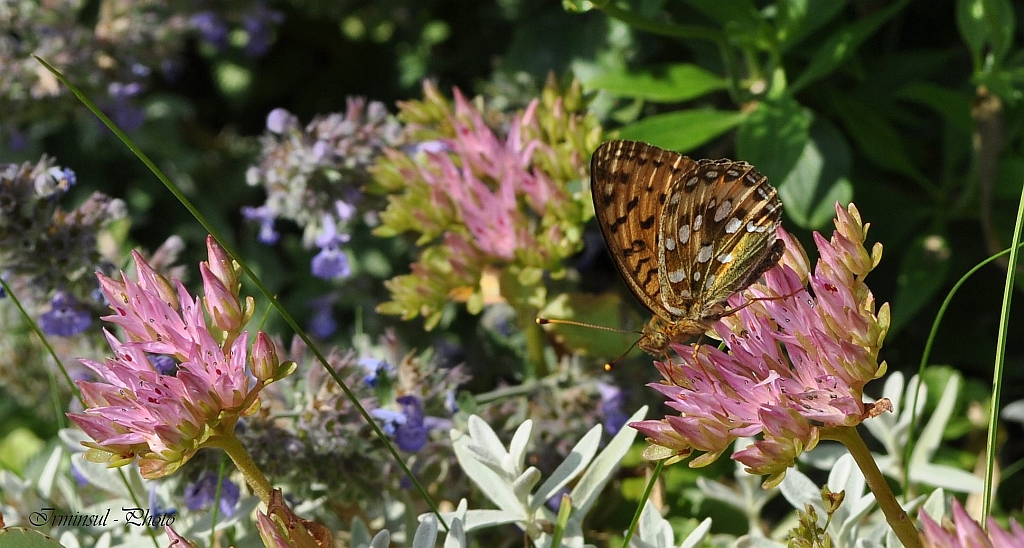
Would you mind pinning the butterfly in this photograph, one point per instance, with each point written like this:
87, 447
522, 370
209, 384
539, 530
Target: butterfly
685, 234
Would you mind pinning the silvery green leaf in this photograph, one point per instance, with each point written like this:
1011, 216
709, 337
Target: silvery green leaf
1014, 411
847, 477
602, 469
106, 479
578, 459
752, 541
571, 538
204, 523
481, 519
456, 537
697, 535
652, 531
931, 435
68, 539
48, 475
495, 487
485, 438
517, 448
800, 491
946, 477
381, 539
825, 454
359, 533
717, 490
525, 483
488, 459
936, 506
426, 533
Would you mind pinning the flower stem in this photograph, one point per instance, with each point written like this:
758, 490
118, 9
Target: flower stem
253, 475
894, 513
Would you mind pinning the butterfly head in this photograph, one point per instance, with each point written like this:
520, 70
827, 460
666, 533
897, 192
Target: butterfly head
658, 334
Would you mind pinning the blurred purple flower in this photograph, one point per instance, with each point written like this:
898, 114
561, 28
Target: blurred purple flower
265, 216
280, 120
66, 317
331, 263
211, 28
258, 24
374, 369
322, 323
203, 493
121, 107
410, 426
612, 399
155, 508
164, 365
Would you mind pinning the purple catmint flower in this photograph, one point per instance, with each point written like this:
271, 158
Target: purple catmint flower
66, 317
265, 216
322, 323
203, 492
211, 28
280, 120
375, 369
331, 263
612, 399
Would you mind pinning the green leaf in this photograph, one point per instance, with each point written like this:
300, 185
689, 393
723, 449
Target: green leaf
799, 18
842, 44
601, 310
1010, 177
954, 106
726, 11
986, 23
773, 137
923, 272
18, 537
682, 130
876, 138
666, 83
819, 179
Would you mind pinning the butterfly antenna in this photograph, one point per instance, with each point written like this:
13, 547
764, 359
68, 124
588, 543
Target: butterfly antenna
755, 299
608, 366
545, 321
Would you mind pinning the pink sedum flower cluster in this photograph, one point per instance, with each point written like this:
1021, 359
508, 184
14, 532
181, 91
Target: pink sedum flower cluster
163, 415
964, 532
798, 360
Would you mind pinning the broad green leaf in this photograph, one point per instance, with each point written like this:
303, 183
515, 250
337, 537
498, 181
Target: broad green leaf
954, 106
986, 23
603, 310
818, 180
18, 537
666, 83
683, 130
799, 18
727, 11
773, 137
923, 272
1010, 177
842, 44
876, 138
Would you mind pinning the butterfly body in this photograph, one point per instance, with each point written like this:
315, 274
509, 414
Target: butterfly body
684, 234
